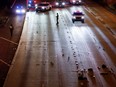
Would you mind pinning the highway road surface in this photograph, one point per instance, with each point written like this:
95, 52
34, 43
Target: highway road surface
66, 55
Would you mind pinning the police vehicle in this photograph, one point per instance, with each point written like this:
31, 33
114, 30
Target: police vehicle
78, 16
20, 9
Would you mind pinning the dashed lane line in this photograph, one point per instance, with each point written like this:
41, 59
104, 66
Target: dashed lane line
8, 40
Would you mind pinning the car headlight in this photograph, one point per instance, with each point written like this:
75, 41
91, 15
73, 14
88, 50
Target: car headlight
63, 3
57, 3
23, 11
36, 5
79, 0
74, 17
17, 11
82, 17
29, 5
43, 7
73, 1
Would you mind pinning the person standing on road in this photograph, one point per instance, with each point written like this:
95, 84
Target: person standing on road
57, 19
11, 29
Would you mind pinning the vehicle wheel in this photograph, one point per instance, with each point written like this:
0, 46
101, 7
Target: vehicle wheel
73, 21
36, 10
82, 21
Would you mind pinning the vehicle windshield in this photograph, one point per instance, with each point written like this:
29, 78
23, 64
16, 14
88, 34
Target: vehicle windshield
43, 4
77, 13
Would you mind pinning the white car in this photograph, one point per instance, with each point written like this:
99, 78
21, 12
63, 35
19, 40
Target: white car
60, 4
43, 6
76, 2
77, 16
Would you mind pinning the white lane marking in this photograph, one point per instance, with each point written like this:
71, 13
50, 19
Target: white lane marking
5, 62
8, 40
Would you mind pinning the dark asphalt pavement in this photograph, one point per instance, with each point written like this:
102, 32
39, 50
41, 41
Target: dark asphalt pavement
8, 43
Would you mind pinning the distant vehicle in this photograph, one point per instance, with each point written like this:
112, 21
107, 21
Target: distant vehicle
60, 4
77, 16
76, 2
31, 5
20, 9
43, 6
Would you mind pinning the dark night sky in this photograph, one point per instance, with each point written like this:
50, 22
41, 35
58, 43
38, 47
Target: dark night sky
9, 3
